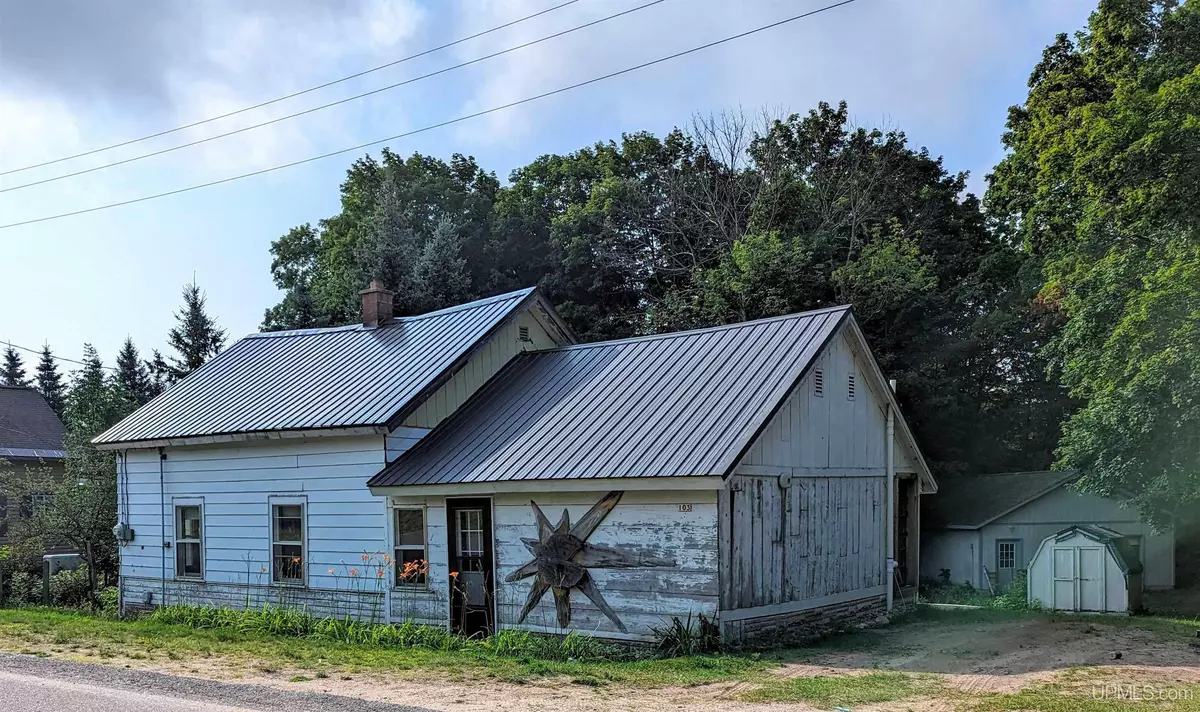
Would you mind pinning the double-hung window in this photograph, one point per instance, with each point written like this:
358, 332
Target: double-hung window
189, 540
412, 565
287, 542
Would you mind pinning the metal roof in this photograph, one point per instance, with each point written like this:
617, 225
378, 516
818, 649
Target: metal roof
29, 429
970, 502
683, 404
342, 377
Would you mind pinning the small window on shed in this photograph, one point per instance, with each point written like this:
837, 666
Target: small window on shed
850, 387
818, 382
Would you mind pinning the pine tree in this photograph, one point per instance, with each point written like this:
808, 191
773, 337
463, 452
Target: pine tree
159, 372
93, 403
50, 382
132, 376
439, 276
14, 370
196, 338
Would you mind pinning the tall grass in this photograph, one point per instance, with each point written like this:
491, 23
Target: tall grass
285, 622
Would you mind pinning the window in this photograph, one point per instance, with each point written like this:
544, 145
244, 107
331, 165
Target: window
411, 565
1006, 554
39, 503
850, 387
818, 382
189, 541
287, 543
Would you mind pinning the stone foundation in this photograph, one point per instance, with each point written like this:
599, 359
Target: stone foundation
787, 629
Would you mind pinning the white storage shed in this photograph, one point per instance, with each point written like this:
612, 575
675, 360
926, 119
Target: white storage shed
1087, 568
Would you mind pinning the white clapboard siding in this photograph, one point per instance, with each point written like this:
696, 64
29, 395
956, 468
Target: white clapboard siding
483, 365
235, 484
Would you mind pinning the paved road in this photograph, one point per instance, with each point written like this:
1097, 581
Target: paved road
31, 684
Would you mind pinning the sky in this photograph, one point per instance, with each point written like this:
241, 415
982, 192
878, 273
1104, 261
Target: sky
82, 74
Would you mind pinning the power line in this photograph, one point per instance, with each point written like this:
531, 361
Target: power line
56, 358
431, 127
333, 103
293, 94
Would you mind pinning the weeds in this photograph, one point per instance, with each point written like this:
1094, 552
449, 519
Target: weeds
680, 638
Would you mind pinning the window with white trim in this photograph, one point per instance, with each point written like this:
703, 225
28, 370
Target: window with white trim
287, 542
1006, 555
189, 541
412, 563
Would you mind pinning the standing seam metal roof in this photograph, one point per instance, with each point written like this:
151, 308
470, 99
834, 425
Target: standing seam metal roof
681, 404
350, 376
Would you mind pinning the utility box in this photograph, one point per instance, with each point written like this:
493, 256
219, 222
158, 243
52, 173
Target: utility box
53, 563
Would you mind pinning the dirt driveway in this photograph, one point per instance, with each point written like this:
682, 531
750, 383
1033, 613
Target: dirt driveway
953, 661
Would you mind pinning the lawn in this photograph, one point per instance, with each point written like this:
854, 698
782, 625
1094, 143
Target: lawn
974, 661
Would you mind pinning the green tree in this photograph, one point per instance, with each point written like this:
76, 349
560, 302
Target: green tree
50, 382
133, 376
14, 370
196, 338
1100, 185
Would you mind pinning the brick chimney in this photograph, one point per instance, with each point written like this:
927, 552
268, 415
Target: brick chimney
376, 305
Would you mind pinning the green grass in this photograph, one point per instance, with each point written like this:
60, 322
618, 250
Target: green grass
1055, 698
844, 690
83, 636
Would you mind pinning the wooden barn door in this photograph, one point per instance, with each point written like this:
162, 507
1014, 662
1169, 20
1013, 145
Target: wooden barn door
472, 566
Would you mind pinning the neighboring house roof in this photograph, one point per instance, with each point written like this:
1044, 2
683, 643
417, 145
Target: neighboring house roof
312, 379
682, 404
1116, 542
29, 429
974, 501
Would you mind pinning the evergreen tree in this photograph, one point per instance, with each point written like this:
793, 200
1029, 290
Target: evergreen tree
159, 373
93, 403
133, 377
440, 278
196, 339
50, 382
14, 370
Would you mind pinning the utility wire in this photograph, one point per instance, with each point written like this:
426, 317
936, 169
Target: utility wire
334, 103
293, 94
56, 358
431, 127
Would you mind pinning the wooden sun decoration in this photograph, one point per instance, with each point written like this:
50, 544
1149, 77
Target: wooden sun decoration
562, 557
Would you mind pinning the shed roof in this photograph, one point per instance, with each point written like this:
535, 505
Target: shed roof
1117, 543
29, 429
974, 501
310, 379
681, 404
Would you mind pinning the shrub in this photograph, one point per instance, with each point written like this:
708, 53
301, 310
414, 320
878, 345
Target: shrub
687, 638
1015, 595
107, 601
22, 588
71, 589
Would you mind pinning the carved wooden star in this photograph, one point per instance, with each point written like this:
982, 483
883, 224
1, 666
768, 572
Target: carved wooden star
562, 557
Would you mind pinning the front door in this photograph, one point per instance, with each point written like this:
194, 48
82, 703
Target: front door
1008, 560
472, 583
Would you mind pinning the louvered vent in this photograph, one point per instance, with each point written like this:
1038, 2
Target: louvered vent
850, 387
523, 333
818, 382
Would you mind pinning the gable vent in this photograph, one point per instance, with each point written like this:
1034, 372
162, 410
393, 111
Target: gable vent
850, 387
523, 333
818, 382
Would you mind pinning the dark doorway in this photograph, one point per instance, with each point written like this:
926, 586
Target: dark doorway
472, 584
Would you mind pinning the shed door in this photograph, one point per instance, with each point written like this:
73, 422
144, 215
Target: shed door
1064, 578
1091, 579
1008, 560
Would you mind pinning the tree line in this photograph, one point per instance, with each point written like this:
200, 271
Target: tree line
1053, 322
79, 505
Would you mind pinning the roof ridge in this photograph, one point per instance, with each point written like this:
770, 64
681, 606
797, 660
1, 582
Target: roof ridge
693, 332
19, 388
524, 292
952, 478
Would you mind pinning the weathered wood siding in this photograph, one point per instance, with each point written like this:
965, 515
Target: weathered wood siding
817, 537
642, 597
803, 520
482, 366
830, 430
